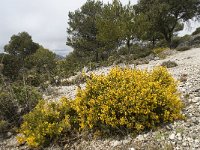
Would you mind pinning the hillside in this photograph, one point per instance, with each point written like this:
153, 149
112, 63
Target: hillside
178, 135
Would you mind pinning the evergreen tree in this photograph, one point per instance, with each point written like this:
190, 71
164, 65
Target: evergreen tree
166, 16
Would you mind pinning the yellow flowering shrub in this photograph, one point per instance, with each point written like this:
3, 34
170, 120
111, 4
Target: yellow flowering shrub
129, 99
125, 99
159, 50
46, 122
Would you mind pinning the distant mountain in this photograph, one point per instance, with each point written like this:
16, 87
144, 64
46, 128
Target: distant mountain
59, 57
62, 52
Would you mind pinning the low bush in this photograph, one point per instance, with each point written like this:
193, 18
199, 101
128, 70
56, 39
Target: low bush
47, 122
125, 100
183, 48
15, 101
175, 42
169, 64
197, 31
4, 125
196, 42
26, 96
79, 79
128, 99
9, 108
159, 50
161, 43
183, 78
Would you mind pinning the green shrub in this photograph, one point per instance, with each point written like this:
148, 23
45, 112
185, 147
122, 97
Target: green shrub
11, 66
128, 99
80, 78
15, 101
93, 65
197, 31
123, 51
9, 108
140, 51
4, 125
161, 43
159, 50
47, 122
176, 41
35, 78
169, 64
27, 97
183, 48
196, 42
114, 59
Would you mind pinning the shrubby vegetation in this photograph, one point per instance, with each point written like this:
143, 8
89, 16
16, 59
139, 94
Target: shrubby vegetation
34, 68
15, 101
130, 99
169, 64
197, 31
101, 35
47, 122
23, 70
124, 101
183, 48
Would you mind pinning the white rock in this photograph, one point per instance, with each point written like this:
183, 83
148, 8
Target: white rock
184, 144
196, 99
172, 136
132, 148
9, 134
179, 136
126, 141
115, 143
196, 141
140, 137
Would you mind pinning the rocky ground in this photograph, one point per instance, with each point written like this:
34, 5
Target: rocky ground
180, 135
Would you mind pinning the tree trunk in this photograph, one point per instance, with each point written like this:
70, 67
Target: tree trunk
153, 42
128, 45
96, 56
168, 38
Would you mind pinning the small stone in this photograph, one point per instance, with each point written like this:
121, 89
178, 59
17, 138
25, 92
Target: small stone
67, 146
169, 127
196, 141
126, 141
179, 136
196, 90
132, 148
196, 99
145, 135
115, 143
9, 134
184, 144
140, 137
190, 140
172, 136
156, 58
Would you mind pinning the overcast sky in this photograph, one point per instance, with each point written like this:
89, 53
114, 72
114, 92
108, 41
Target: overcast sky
44, 20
